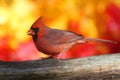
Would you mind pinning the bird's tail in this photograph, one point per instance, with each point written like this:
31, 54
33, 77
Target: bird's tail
99, 40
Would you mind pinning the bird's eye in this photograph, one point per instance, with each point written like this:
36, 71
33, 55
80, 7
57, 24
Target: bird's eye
35, 29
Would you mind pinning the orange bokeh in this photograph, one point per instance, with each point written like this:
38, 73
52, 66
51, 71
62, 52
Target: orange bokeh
96, 19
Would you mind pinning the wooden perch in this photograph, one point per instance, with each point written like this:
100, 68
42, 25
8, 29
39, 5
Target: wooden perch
104, 67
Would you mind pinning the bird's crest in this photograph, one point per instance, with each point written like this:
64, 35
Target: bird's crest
38, 23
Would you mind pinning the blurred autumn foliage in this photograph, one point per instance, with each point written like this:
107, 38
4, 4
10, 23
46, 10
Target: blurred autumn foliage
91, 18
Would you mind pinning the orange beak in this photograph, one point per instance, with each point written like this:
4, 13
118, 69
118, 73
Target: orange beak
30, 32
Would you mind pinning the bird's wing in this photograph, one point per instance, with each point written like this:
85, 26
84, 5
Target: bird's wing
55, 36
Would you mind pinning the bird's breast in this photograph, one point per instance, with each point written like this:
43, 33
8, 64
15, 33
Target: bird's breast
46, 47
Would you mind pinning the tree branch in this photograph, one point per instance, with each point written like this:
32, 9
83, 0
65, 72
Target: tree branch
104, 67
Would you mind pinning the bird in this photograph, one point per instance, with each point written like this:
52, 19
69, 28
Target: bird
54, 41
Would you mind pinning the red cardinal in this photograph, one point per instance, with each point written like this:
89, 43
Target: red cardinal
54, 41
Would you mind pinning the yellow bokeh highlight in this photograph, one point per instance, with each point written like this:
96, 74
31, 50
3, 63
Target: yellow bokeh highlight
59, 23
17, 16
88, 28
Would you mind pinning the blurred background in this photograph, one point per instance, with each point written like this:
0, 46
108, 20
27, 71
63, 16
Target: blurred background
91, 18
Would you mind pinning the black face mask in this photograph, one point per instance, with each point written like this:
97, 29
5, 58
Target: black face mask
35, 30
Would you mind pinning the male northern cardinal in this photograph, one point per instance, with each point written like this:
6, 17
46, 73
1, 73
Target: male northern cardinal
54, 41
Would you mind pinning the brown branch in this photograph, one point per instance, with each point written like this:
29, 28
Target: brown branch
105, 67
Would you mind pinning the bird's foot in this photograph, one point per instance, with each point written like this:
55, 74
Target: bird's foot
51, 57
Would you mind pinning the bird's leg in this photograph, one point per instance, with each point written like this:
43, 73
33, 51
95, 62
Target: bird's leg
64, 50
68, 47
